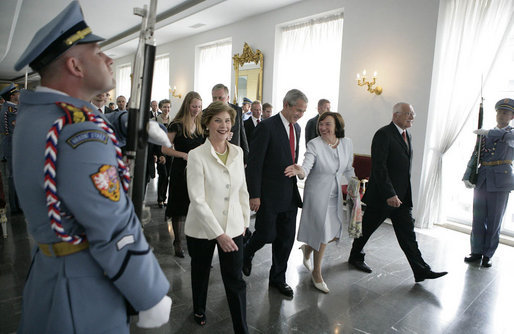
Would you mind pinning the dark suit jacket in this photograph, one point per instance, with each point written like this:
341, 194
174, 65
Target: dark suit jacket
390, 168
270, 156
310, 129
239, 137
249, 129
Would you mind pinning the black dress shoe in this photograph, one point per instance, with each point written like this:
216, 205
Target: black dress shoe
487, 262
429, 275
283, 288
473, 257
360, 265
179, 252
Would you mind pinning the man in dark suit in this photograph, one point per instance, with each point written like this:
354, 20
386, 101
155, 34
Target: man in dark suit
220, 93
273, 195
99, 101
255, 119
389, 193
121, 101
311, 130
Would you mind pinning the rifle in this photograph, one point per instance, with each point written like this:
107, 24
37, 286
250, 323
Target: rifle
478, 146
137, 138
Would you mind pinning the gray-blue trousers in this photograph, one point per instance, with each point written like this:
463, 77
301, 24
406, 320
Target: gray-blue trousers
488, 210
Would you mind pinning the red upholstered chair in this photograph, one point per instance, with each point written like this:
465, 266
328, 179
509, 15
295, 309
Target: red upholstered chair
362, 167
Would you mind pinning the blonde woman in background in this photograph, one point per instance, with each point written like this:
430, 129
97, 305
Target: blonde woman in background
185, 133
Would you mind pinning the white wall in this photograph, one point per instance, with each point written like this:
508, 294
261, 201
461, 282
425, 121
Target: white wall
394, 37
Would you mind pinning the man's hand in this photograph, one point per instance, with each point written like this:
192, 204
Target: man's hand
481, 132
394, 201
162, 159
157, 315
468, 184
255, 203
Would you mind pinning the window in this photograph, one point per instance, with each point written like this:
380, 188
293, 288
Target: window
500, 85
161, 78
309, 58
214, 63
123, 81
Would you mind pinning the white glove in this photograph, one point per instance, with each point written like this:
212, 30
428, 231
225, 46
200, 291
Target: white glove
468, 184
156, 316
156, 135
481, 132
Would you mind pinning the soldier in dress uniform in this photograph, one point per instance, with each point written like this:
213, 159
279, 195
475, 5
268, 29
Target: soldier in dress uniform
8, 114
92, 262
494, 183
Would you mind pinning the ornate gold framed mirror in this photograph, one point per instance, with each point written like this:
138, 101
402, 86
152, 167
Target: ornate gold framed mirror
248, 67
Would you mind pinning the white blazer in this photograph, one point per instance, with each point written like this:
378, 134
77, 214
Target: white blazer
218, 194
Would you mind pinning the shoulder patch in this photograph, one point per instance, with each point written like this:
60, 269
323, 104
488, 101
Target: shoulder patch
12, 109
107, 182
86, 136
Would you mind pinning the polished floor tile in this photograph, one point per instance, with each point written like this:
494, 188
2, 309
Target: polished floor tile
470, 299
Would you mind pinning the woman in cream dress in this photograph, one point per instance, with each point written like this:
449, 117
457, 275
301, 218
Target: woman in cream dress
328, 158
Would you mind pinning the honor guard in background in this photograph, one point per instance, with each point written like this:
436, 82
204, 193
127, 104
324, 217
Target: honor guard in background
91, 263
494, 183
9, 111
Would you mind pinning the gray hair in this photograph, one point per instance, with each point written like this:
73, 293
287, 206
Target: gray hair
220, 86
292, 96
398, 107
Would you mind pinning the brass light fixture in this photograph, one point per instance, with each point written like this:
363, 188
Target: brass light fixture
173, 92
361, 81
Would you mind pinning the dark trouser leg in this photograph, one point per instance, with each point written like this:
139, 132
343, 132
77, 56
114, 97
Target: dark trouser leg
371, 220
281, 246
477, 238
2, 195
178, 224
162, 182
13, 198
403, 225
201, 251
496, 204
231, 264
265, 231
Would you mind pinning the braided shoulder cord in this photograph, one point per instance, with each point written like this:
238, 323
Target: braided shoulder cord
72, 115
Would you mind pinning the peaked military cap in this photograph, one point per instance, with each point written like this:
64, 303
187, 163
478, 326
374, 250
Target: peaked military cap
7, 91
64, 31
505, 104
247, 100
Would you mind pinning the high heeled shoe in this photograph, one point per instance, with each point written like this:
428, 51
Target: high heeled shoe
321, 286
306, 261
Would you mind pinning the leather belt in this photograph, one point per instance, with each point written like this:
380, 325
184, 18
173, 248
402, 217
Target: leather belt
62, 248
496, 163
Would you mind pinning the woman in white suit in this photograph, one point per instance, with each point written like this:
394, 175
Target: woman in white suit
328, 158
218, 214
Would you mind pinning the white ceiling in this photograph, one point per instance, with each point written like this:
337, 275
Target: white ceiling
114, 20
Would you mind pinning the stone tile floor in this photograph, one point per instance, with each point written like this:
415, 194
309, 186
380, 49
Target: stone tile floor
470, 299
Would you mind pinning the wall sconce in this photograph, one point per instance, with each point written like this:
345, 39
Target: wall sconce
362, 81
173, 92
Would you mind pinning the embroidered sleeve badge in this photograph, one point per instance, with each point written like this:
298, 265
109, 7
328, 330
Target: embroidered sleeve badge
107, 182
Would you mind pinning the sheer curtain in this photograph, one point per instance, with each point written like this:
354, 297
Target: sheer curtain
161, 78
214, 63
470, 35
123, 81
309, 59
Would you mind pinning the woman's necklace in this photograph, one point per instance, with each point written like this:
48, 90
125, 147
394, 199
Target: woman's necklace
334, 144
